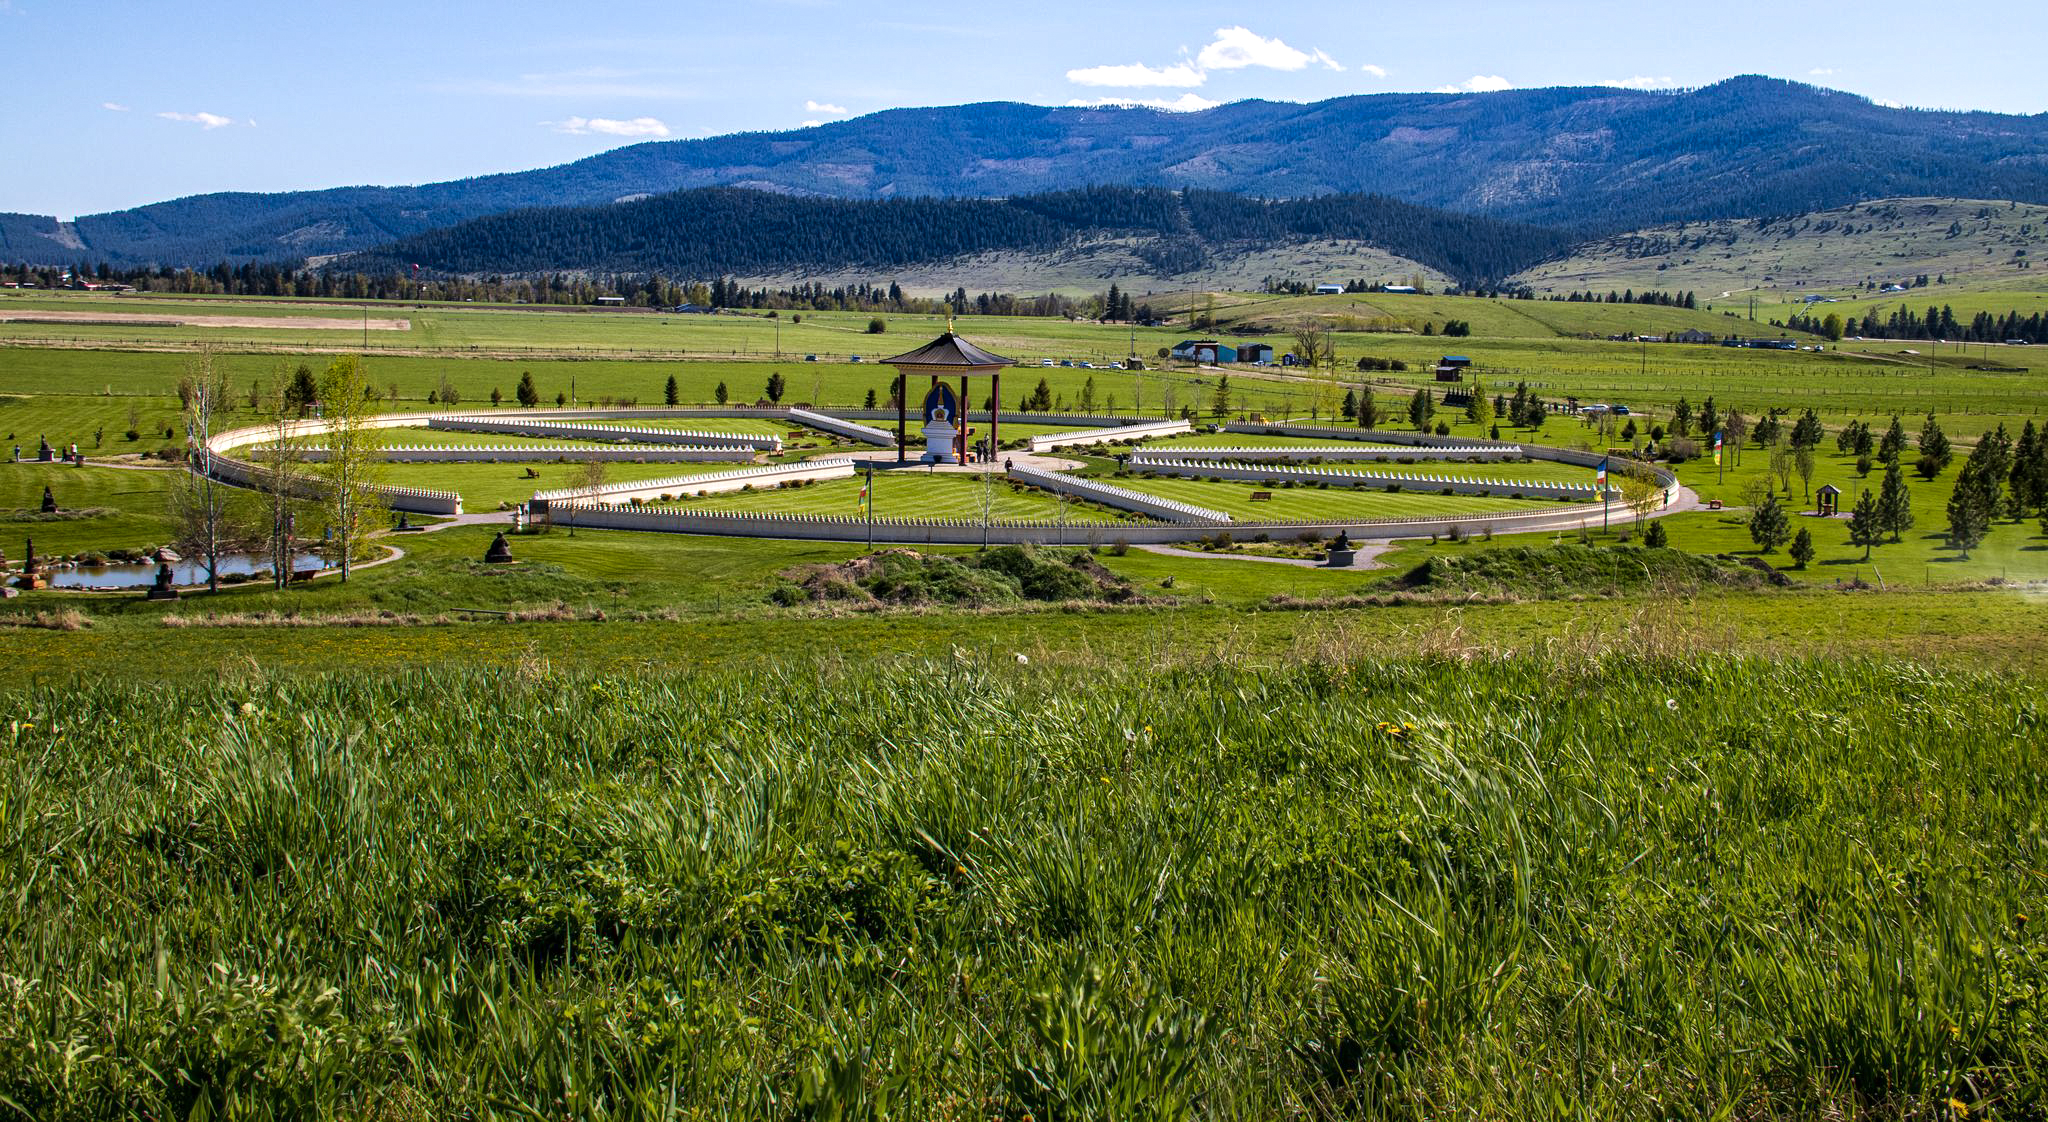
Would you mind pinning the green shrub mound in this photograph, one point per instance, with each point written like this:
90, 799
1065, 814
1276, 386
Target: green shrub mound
1004, 574
1567, 570
1533, 887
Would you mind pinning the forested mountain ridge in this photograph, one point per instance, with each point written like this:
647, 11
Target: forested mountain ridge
1593, 160
723, 230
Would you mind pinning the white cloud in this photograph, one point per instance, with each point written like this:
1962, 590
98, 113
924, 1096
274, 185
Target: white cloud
1327, 61
812, 124
1479, 83
584, 126
1185, 103
825, 107
1235, 48
113, 107
1822, 72
1640, 82
203, 120
1887, 103
1181, 75
1375, 71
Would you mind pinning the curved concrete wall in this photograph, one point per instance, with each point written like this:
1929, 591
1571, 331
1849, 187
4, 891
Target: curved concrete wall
528, 426
1259, 473
1121, 498
559, 453
1108, 435
967, 532
1386, 453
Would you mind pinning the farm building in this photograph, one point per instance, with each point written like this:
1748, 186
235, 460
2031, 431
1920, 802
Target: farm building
1255, 352
1329, 289
611, 301
1204, 351
1451, 368
1692, 335
1400, 289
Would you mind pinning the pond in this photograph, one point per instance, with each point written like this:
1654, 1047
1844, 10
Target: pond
183, 573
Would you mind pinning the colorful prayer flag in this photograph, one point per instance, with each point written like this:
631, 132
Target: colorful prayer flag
1600, 475
1717, 449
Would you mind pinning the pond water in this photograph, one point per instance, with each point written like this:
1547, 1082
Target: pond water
188, 572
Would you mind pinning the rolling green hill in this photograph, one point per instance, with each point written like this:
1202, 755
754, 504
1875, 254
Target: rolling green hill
1973, 242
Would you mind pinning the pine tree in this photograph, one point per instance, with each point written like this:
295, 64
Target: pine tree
1480, 409
1806, 431
1768, 526
1970, 507
1894, 503
1220, 403
722, 394
1935, 451
2029, 476
1655, 537
1421, 408
526, 393
1866, 523
1893, 446
870, 402
1350, 406
670, 394
1368, 409
776, 384
1802, 547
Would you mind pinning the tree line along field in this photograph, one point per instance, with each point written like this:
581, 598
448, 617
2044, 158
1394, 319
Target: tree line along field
1545, 886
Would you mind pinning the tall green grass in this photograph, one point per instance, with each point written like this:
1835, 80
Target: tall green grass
1699, 887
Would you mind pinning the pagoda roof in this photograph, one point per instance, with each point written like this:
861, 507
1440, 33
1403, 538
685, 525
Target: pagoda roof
949, 350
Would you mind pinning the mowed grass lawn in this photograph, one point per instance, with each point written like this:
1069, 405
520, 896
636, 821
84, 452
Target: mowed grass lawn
1289, 503
484, 486
905, 494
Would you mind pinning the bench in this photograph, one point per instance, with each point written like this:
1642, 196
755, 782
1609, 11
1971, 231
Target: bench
1262, 496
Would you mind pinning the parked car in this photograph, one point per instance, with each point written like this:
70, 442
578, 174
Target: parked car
810, 358
1621, 410
1046, 362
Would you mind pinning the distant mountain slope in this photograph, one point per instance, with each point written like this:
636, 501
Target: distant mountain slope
1891, 240
1590, 159
728, 231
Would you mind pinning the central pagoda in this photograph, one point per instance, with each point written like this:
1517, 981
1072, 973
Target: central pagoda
945, 416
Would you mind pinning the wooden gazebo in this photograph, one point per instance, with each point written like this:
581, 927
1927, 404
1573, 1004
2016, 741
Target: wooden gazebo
944, 357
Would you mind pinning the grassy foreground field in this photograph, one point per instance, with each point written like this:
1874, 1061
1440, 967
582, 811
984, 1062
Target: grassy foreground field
1548, 886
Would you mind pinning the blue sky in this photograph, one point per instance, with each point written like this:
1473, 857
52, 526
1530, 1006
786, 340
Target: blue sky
114, 103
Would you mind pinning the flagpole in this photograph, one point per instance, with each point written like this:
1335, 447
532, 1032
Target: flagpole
871, 506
